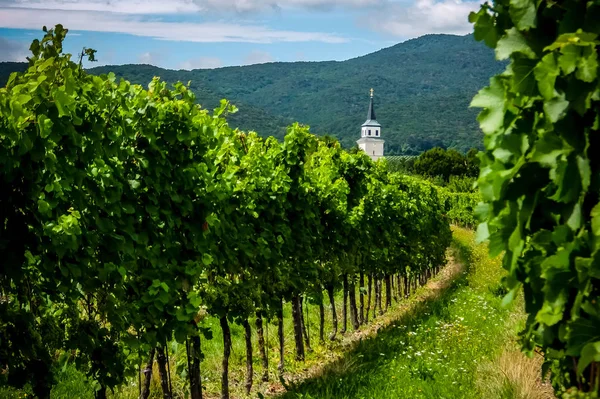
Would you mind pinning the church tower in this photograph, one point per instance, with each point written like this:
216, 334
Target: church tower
370, 135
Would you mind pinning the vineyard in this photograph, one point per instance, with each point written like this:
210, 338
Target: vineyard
138, 229
130, 217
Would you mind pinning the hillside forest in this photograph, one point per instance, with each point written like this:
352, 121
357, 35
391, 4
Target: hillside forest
433, 74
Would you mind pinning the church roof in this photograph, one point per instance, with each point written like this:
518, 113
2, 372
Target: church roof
371, 119
371, 122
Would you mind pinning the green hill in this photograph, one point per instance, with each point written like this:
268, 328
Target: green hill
6, 68
422, 90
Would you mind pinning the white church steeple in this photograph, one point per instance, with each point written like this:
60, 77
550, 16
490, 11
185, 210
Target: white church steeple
370, 134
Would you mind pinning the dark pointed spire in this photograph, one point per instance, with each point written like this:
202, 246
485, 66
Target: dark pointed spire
371, 116
371, 121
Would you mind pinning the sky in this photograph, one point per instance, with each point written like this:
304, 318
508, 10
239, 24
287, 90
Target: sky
192, 34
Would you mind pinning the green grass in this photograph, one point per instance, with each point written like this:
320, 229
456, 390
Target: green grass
434, 352
70, 384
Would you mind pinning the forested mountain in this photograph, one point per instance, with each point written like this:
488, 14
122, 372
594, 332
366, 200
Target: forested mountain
422, 90
6, 68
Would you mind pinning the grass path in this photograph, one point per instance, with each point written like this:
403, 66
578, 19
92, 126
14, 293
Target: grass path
336, 361
455, 340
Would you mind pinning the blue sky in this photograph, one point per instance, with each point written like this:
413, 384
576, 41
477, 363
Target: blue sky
190, 34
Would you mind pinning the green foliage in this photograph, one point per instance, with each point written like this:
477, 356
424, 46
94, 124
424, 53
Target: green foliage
422, 92
446, 163
401, 163
539, 174
93, 170
461, 184
453, 176
126, 213
460, 206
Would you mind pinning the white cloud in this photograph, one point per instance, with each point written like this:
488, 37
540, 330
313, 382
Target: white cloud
202, 63
18, 18
185, 6
424, 16
258, 57
401, 19
258, 5
116, 6
150, 57
11, 50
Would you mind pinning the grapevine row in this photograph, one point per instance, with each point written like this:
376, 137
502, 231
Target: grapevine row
539, 178
460, 207
125, 213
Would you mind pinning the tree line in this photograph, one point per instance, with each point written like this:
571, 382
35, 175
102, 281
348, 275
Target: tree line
442, 166
128, 213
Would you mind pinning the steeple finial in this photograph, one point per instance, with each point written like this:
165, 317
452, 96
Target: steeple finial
372, 92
